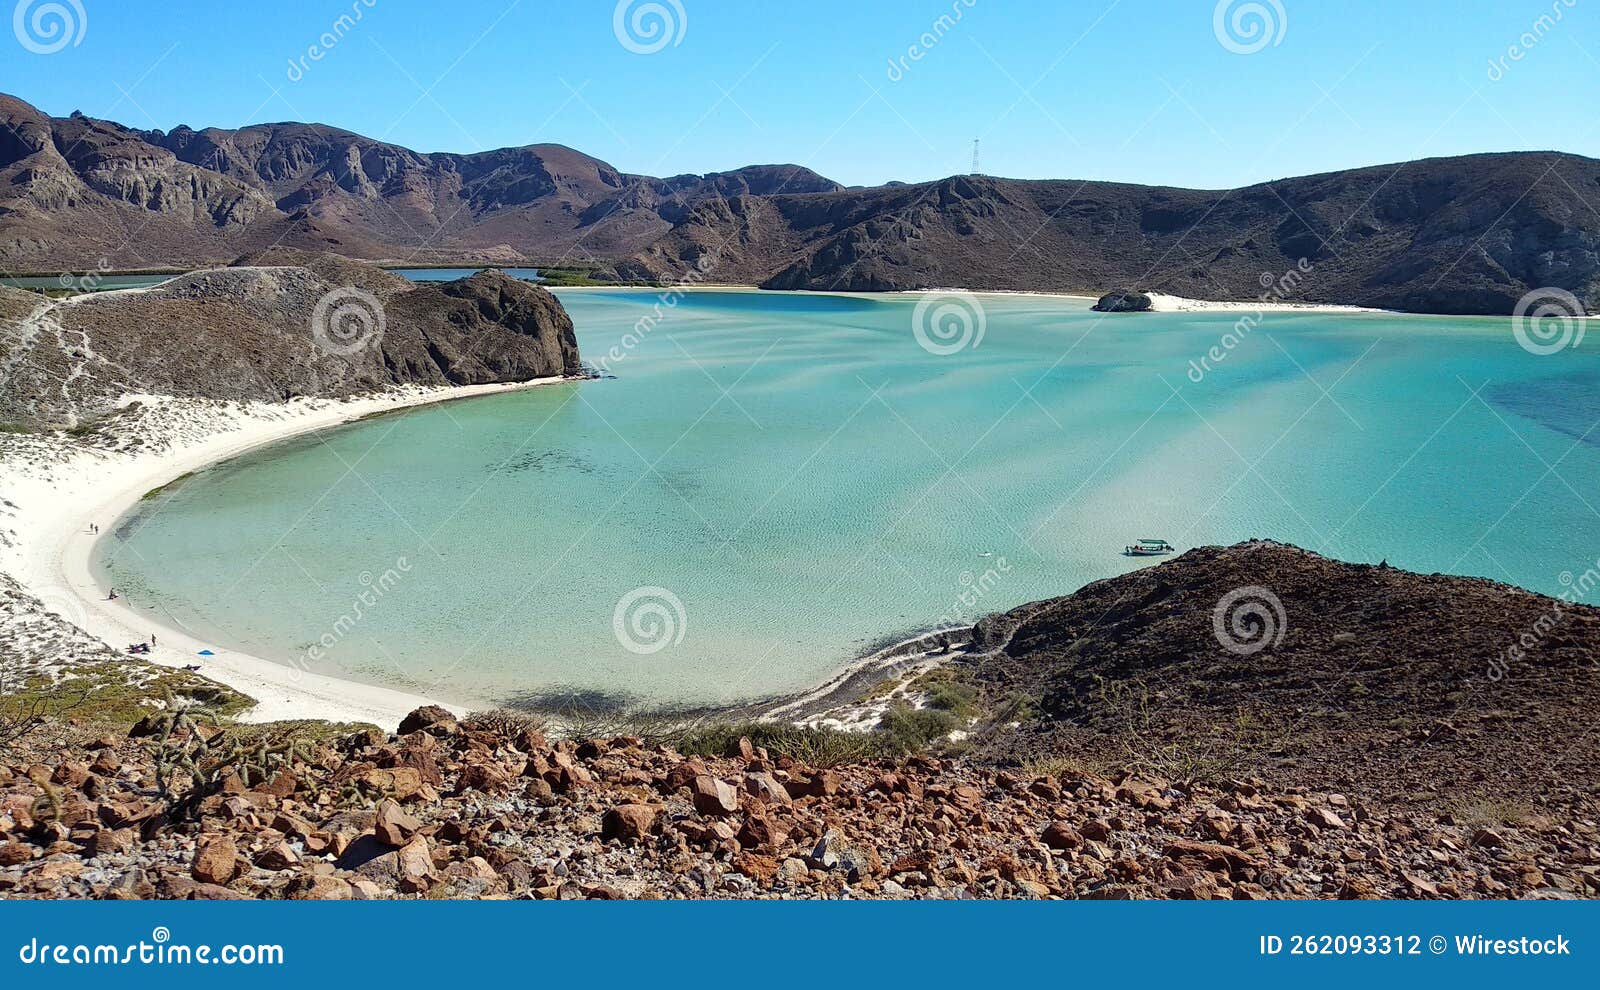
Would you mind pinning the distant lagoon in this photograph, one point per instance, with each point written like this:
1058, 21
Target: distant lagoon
775, 483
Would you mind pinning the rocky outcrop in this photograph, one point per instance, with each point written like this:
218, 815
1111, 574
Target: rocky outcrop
275, 327
1122, 301
1266, 658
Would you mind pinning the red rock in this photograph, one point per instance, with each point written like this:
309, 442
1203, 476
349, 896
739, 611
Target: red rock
1060, 835
761, 831
315, 888
216, 861
683, 774
429, 718
14, 854
393, 826
279, 857
761, 869
1323, 818
1211, 855
415, 865
628, 822
482, 777
765, 788
713, 796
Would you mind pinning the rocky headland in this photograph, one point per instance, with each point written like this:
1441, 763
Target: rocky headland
270, 328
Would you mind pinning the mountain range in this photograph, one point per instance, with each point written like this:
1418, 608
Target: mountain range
1470, 234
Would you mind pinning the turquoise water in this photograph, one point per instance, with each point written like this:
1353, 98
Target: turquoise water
808, 481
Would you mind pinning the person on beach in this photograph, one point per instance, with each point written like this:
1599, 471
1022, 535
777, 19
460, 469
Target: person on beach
113, 596
152, 641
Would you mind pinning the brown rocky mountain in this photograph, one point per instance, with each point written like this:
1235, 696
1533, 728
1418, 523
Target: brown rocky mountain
78, 190
1461, 235
1472, 234
272, 327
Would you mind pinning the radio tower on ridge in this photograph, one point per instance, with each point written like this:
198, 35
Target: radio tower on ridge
974, 156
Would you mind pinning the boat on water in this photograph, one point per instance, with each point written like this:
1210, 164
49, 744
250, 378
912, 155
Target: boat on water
1149, 548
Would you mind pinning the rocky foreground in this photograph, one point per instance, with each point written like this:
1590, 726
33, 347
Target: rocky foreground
492, 808
1341, 730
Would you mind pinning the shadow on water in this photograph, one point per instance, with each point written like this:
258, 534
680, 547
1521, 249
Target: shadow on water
1565, 405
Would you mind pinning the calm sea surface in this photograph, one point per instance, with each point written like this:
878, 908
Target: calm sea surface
772, 484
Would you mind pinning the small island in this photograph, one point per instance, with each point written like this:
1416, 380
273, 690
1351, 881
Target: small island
1123, 301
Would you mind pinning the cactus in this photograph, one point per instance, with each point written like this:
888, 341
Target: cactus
183, 749
47, 806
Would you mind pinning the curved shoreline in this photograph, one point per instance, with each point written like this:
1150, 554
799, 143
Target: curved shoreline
51, 556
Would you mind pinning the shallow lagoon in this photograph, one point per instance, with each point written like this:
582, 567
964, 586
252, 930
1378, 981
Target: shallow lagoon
773, 484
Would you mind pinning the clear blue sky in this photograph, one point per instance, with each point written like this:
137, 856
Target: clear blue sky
1139, 90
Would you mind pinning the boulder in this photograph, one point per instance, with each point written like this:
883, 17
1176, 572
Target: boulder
1060, 835
429, 718
628, 822
713, 796
215, 862
394, 827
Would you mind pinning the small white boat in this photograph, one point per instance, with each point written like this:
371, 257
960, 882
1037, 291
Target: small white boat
1149, 548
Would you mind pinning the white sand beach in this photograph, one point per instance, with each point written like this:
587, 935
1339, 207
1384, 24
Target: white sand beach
54, 490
